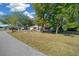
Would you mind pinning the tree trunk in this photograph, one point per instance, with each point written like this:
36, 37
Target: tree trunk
42, 28
59, 23
57, 29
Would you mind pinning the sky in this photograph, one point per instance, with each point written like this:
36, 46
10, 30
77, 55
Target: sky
8, 8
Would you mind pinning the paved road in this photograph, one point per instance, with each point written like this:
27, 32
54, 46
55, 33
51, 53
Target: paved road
10, 46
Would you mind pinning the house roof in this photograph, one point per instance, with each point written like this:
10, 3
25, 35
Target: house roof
4, 25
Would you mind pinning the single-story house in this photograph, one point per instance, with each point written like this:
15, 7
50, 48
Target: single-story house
35, 28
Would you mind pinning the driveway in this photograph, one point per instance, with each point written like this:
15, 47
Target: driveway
10, 46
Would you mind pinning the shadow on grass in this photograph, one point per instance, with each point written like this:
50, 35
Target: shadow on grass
70, 33
65, 33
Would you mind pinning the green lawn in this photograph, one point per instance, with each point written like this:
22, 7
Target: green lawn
50, 44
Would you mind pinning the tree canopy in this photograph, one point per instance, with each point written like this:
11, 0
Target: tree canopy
62, 16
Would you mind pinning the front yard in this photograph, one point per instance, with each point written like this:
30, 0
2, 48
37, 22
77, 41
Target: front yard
50, 44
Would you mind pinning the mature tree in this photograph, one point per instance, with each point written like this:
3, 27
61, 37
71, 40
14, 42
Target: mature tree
41, 10
23, 20
57, 15
18, 19
72, 16
49, 12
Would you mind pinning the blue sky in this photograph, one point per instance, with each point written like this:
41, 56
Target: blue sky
8, 8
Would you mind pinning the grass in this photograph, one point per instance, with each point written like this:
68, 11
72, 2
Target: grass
50, 44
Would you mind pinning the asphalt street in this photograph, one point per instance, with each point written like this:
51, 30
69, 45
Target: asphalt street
10, 46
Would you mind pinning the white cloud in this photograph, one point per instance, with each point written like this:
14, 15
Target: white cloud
2, 13
0, 3
18, 6
21, 7
33, 13
28, 14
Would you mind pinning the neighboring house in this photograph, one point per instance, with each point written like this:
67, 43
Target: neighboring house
3, 26
35, 28
38, 28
